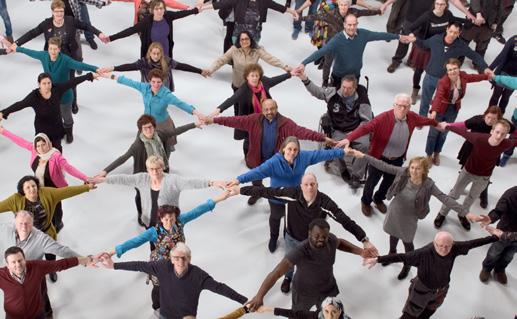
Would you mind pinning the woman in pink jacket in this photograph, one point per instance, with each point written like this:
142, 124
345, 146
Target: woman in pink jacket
48, 165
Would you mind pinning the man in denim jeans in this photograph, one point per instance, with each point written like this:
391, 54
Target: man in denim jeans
300, 5
7, 21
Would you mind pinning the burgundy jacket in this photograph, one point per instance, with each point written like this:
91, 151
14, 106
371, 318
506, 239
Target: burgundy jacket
381, 127
253, 125
443, 91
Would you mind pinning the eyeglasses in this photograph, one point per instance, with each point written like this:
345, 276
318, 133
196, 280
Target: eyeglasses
405, 106
178, 258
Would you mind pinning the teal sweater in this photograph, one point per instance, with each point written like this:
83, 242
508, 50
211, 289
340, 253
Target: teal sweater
59, 70
156, 104
348, 53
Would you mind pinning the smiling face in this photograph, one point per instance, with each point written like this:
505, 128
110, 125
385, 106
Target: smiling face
155, 55
350, 25
498, 133
269, 109
343, 6
148, 130
290, 152
416, 171
16, 264
155, 171
309, 187
30, 189
443, 242
58, 15
244, 41
490, 119
452, 33
156, 84
23, 224
42, 147
253, 78
453, 71
401, 107
53, 51
319, 237
440, 6
180, 261
168, 221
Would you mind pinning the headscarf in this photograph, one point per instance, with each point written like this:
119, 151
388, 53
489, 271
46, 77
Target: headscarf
46, 156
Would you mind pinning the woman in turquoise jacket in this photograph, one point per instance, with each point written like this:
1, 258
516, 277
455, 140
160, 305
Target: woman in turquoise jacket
286, 169
164, 236
59, 66
157, 98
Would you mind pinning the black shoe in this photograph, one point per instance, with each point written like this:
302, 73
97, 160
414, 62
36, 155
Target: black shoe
499, 37
345, 176
438, 221
69, 135
92, 44
252, 200
393, 66
464, 222
355, 184
59, 227
75, 108
320, 66
483, 200
272, 244
52, 276
404, 272
286, 285
141, 222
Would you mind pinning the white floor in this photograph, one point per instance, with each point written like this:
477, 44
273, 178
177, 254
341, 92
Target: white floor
230, 243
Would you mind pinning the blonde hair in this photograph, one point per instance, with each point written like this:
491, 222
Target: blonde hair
57, 4
423, 162
163, 62
155, 160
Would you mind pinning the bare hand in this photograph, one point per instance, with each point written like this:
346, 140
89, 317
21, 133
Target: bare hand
220, 184
369, 262
344, 143
432, 115
494, 231
232, 183
104, 38
255, 304
215, 113
369, 250
206, 73
355, 153
235, 190
330, 142
264, 309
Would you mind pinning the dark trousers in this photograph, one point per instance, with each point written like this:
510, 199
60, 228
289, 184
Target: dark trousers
57, 219
277, 212
402, 48
427, 313
305, 302
417, 76
56, 143
227, 44
40, 316
138, 203
481, 36
506, 13
155, 297
47, 307
501, 97
435, 138
374, 175
422, 302
85, 17
499, 255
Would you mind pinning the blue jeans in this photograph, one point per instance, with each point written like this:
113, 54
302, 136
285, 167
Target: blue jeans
290, 244
499, 255
85, 17
428, 88
7, 20
309, 25
435, 138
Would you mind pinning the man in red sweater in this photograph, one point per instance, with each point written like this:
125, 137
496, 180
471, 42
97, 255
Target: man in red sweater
267, 131
485, 153
390, 135
21, 282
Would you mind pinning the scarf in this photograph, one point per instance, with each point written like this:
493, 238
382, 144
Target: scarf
46, 156
257, 105
154, 146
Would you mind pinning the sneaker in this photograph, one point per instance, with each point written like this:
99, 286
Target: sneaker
52, 276
272, 244
366, 209
252, 200
381, 207
286, 285
404, 272
499, 37
393, 66
438, 221
295, 34
501, 277
464, 222
484, 275
504, 160
92, 44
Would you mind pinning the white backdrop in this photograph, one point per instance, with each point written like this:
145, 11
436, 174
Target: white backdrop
229, 243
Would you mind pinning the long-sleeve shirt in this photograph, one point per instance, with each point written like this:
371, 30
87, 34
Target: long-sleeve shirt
151, 235
59, 70
170, 189
300, 214
48, 114
24, 301
179, 296
173, 4
441, 52
348, 52
434, 270
484, 157
505, 211
284, 174
35, 246
156, 104
508, 81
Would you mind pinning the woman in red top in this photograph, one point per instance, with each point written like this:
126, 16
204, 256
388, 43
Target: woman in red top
447, 103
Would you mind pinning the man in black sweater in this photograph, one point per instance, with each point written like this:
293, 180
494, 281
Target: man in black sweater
305, 204
181, 282
500, 254
314, 258
434, 262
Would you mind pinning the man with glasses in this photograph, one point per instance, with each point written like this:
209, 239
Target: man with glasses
390, 135
181, 282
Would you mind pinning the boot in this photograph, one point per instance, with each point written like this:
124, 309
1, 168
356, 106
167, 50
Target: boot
272, 244
436, 159
414, 95
393, 66
69, 135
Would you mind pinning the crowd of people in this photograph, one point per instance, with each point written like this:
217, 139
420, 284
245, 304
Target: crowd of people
366, 147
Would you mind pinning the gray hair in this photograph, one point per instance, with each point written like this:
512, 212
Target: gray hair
404, 96
182, 247
24, 213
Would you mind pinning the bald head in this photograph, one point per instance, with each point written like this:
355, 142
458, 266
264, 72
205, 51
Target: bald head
443, 242
309, 186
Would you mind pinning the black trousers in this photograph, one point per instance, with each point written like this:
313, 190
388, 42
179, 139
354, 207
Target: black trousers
277, 212
47, 307
155, 297
501, 97
230, 26
57, 219
138, 203
402, 48
374, 176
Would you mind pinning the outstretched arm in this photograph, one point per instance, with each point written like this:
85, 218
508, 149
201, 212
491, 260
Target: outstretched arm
268, 283
23, 143
150, 235
223, 290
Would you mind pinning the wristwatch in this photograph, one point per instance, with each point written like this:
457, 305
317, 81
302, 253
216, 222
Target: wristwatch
365, 239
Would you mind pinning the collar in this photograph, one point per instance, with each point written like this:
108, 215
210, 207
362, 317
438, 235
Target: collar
349, 37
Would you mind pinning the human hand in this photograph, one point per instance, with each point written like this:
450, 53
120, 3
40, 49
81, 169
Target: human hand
215, 113
383, 8
104, 38
236, 190
489, 72
232, 183
432, 115
98, 179
369, 250
369, 262
219, 184
105, 69
330, 142
106, 260
494, 231
255, 303
297, 70
294, 13
264, 309
352, 152
91, 185
344, 143
482, 219
222, 196
1, 129
206, 73
201, 117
